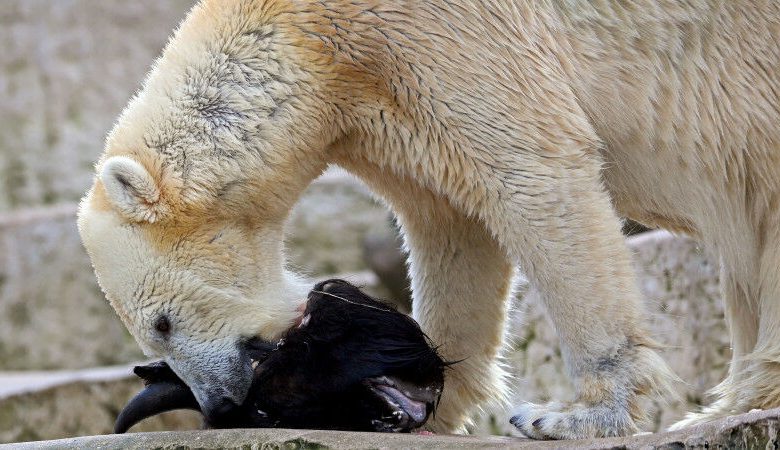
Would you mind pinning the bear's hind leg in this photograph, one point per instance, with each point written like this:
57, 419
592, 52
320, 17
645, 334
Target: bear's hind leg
764, 362
742, 319
753, 315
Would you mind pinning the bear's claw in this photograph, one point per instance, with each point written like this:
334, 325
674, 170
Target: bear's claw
554, 421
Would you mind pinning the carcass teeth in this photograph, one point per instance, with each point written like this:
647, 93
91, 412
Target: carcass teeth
255, 363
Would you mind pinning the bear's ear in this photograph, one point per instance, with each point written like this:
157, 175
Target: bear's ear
132, 190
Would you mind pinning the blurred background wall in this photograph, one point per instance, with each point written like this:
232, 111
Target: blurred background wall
67, 67
66, 70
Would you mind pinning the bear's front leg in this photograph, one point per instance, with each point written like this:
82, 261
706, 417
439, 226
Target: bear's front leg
461, 282
554, 218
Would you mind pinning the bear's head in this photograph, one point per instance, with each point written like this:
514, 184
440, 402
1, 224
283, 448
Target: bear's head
184, 222
193, 285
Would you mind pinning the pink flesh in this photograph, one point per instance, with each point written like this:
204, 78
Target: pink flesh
415, 409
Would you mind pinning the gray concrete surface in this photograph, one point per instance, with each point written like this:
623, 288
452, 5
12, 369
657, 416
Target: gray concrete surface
755, 430
31, 381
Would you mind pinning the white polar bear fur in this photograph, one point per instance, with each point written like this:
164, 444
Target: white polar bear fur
501, 133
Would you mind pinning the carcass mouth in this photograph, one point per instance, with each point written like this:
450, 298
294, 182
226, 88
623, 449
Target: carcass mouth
409, 404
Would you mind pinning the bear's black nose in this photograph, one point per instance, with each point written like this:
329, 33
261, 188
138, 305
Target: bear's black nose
218, 409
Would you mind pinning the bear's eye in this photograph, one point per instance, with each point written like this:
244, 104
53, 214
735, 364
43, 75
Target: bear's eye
163, 325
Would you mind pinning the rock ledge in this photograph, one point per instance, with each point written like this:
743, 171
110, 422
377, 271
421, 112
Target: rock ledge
757, 429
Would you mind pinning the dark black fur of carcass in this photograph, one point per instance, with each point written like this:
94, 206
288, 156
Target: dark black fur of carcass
320, 374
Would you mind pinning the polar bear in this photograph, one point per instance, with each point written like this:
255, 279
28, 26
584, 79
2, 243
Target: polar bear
502, 134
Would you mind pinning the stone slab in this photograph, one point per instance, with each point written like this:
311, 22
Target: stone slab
755, 430
31, 381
